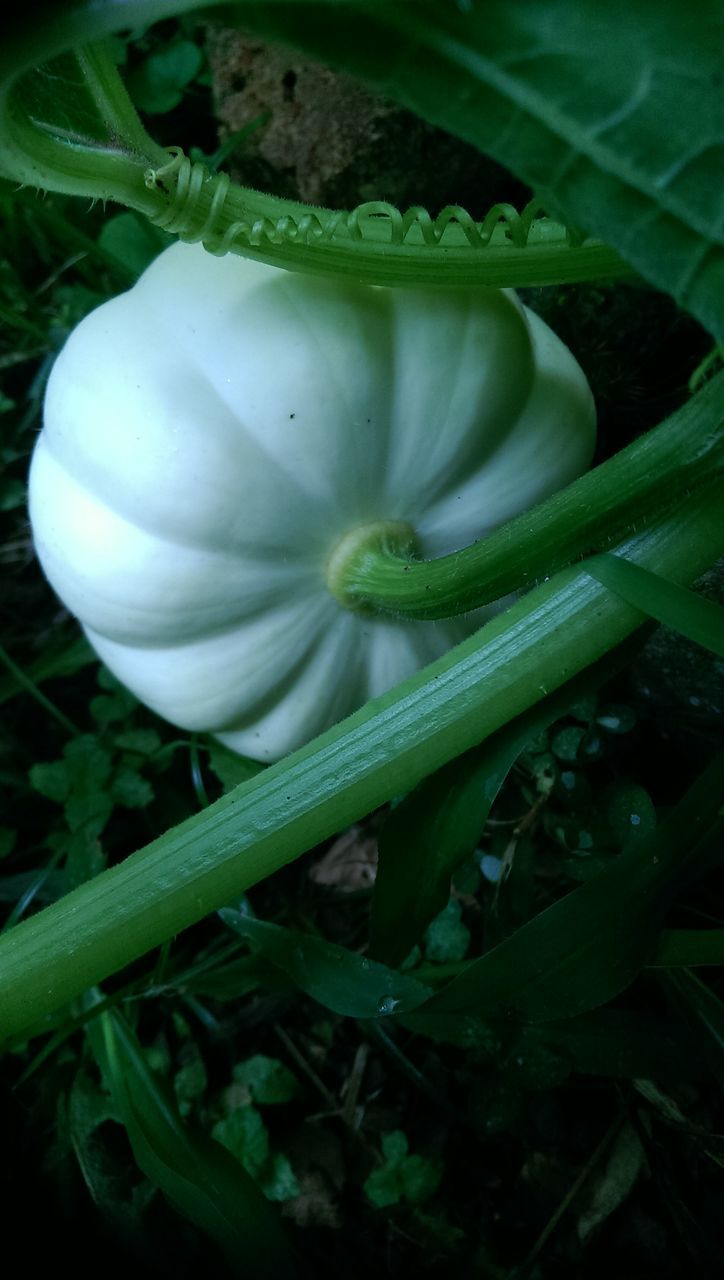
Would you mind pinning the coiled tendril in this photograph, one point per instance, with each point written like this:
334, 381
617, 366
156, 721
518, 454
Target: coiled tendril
199, 211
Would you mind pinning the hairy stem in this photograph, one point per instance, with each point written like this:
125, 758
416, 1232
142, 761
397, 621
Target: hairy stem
92, 143
376, 242
646, 479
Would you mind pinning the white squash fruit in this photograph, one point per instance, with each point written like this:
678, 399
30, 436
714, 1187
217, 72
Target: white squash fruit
213, 433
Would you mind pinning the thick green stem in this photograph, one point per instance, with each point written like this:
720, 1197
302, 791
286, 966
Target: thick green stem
386, 539
387, 747
645, 480
55, 147
376, 242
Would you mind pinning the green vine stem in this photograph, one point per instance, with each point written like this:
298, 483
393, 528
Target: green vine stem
648, 478
387, 747
375, 242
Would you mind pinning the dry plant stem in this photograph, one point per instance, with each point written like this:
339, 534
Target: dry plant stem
386, 748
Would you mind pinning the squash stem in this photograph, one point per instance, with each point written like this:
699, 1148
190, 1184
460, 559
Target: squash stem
648, 478
387, 539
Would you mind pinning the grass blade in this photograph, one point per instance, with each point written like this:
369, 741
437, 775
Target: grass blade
691, 615
203, 1181
427, 836
341, 980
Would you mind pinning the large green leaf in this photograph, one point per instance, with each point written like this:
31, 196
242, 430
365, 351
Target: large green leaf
612, 112
67, 119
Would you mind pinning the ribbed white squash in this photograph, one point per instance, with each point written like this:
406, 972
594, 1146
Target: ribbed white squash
210, 436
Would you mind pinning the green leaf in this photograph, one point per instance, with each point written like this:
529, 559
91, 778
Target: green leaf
420, 1178
230, 768
268, 1080
341, 980
157, 85
244, 1134
82, 851
132, 241
236, 979
89, 769
80, 782
590, 945
65, 117
200, 1178
145, 742
87, 1110
611, 113
279, 1182
131, 790
447, 938
402, 1177
629, 1043
108, 707
691, 615
567, 743
428, 835
189, 1082
394, 1147
631, 813
51, 780
382, 1187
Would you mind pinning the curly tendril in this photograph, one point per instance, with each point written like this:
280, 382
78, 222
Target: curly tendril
192, 216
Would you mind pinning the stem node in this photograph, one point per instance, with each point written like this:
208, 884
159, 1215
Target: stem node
393, 541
